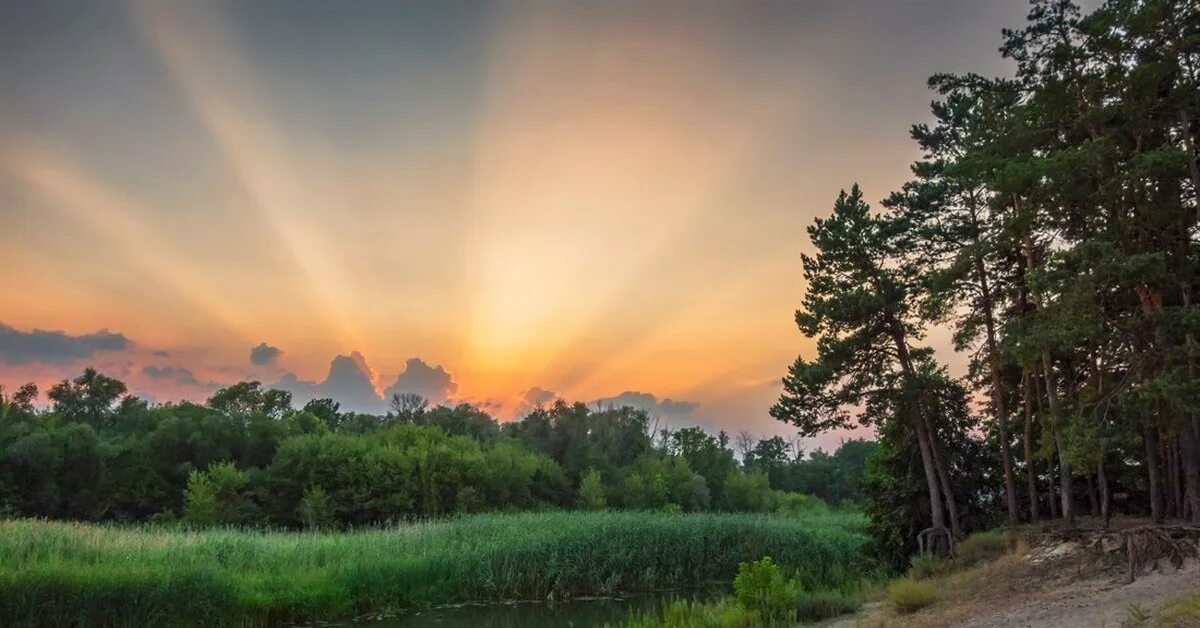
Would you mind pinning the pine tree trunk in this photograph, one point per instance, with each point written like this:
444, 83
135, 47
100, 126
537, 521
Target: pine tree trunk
1102, 480
999, 402
1030, 466
1064, 466
1052, 492
926, 445
1191, 468
944, 480
1176, 479
1093, 499
1150, 440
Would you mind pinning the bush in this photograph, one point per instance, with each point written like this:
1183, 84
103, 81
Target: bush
929, 566
910, 596
761, 587
983, 546
218, 496
798, 504
591, 492
1180, 612
749, 492
316, 511
821, 605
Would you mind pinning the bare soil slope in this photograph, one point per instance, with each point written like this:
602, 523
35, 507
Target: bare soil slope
1052, 582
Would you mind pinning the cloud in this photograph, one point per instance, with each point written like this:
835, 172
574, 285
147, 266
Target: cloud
350, 382
264, 354
666, 408
431, 382
168, 372
176, 374
161, 354
533, 398
55, 347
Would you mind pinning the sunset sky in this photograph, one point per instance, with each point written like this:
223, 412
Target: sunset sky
495, 202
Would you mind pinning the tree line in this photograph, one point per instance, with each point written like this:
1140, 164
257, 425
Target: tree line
1051, 222
248, 457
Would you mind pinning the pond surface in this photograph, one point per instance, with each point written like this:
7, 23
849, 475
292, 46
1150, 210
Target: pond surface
575, 613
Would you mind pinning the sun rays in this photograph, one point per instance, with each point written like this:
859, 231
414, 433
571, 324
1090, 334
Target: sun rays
605, 144
202, 59
574, 226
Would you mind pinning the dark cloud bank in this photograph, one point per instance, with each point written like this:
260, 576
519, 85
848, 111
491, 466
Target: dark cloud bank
55, 347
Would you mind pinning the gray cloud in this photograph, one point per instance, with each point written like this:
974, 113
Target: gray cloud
264, 354
533, 398
350, 382
431, 382
55, 347
667, 408
176, 374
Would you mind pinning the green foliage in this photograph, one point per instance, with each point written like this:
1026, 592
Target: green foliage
316, 510
983, 546
798, 505
218, 496
926, 566
68, 573
910, 596
591, 492
723, 613
821, 605
761, 587
750, 492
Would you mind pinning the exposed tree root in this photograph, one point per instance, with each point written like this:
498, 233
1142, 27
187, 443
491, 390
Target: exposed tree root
936, 541
1141, 546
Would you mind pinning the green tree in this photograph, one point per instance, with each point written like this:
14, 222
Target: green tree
859, 307
218, 496
591, 492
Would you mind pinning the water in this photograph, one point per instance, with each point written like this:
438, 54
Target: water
575, 613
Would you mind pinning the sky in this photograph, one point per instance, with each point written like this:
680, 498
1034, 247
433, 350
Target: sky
499, 203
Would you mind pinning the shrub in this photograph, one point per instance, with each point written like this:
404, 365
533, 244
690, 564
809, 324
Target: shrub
749, 492
217, 496
316, 511
591, 492
761, 587
821, 605
1180, 612
983, 546
929, 566
910, 596
798, 504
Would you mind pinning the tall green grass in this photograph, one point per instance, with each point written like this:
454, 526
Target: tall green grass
63, 574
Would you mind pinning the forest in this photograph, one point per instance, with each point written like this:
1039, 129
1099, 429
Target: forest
1051, 224
247, 457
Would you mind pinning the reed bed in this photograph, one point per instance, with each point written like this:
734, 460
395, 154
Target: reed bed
64, 574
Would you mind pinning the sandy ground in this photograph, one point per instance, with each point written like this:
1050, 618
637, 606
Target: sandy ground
1049, 586
1094, 602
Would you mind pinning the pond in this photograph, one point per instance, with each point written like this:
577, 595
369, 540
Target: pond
577, 613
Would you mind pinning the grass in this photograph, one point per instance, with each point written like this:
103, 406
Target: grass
974, 550
1179, 612
910, 596
80, 574
820, 605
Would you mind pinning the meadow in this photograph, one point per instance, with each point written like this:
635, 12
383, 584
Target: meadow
61, 573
